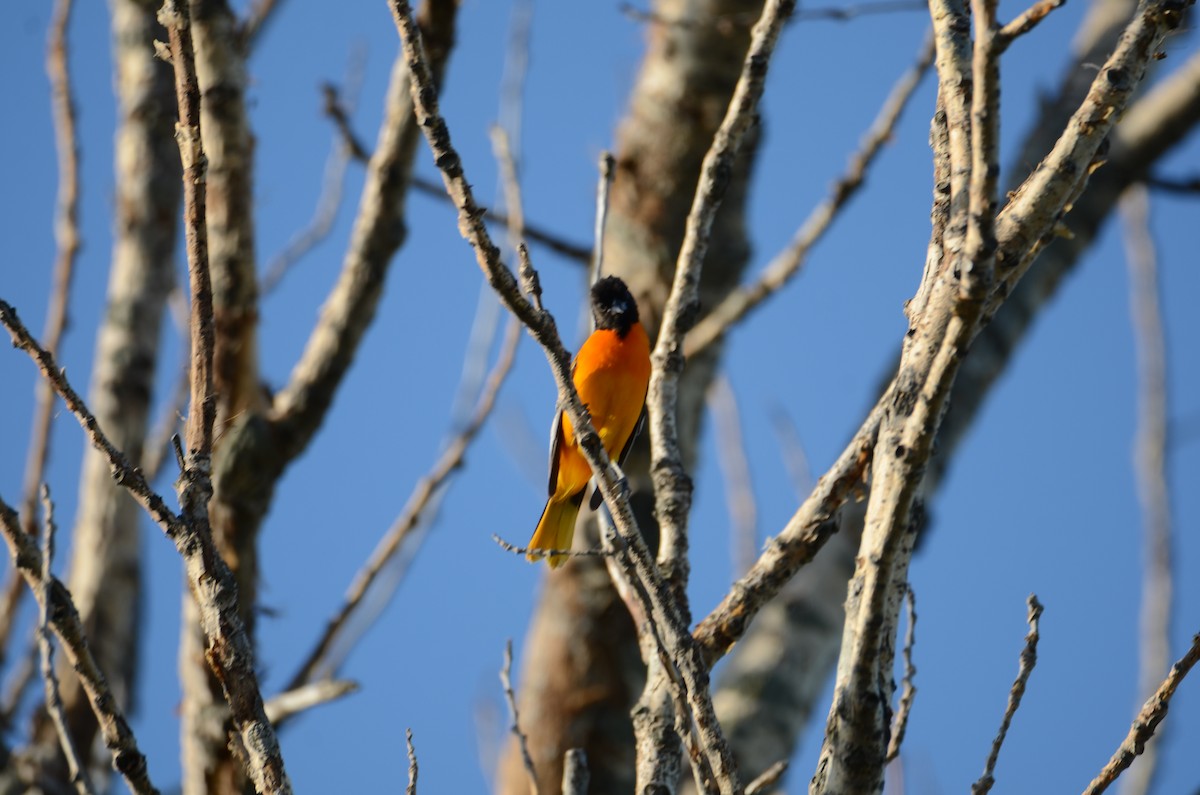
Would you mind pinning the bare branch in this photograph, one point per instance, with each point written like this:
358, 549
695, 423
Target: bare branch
538, 554
787, 264
979, 260
1144, 725
122, 472
804, 534
515, 726
908, 690
292, 702
769, 778
1026, 21
1028, 661
608, 169
411, 789
1028, 219
212, 584
662, 710
229, 652
1150, 464
945, 317
672, 485
64, 619
75, 768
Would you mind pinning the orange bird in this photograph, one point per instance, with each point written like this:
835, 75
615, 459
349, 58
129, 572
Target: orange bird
611, 373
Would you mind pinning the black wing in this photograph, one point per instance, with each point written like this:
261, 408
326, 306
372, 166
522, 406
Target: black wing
555, 442
597, 497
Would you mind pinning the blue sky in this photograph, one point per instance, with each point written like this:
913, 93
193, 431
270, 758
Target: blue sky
1040, 498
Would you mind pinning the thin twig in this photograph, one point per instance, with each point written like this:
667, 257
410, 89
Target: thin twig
739, 485
908, 690
290, 703
575, 772
768, 779
546, 553
1144, 725
123, 472
414, 514
788, 263
54, 706
1025, 22
515, 726
1028, 661
64, 620
1150, 464
608, 170
411, 788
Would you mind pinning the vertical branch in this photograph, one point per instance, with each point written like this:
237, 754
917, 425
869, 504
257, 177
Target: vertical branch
908, 690
658, 755
229, 651
228, 219
1150, 466
608, 167
411, 788
515, 726
66, 234
175, 17
672, 485
985, 153
54, 705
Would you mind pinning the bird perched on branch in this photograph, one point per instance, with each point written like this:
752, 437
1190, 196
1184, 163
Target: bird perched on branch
611, 373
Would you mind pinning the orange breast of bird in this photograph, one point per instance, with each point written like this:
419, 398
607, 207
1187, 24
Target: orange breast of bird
611, 375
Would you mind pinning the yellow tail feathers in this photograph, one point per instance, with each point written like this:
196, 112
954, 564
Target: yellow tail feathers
556, 528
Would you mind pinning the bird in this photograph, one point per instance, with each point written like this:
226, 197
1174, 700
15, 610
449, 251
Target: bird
611, 373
